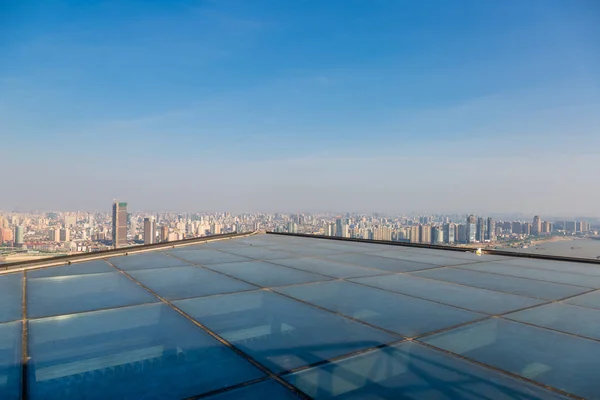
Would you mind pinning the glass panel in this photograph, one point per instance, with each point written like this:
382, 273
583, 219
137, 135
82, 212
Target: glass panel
206, 256
561, 266
405, 315
343, 247
91, 267
426, 258
266, 390
475, 299
329, 268
586, 300
552, 358
563, 317
11, 297
265, 274
382, 263
305, 250
77, 293
132, 352
10, 360
411, 371
502, 283
534, 273
464, 254
185, 282
146, 261
260, 253
281, 333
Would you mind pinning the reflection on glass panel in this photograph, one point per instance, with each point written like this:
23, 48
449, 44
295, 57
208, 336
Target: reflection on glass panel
10, 360
382, 263
587, 300
329, 267
267, 274
304, 250
475, 299
405, 315
77, 293
206, 256
266, 390
11, 297
147, 351
582, 321
502, 283
185, 282
535, 273
91, 267
556, 359
440, 260
279, 332
411, 371
146, 261
260, 253
560, 266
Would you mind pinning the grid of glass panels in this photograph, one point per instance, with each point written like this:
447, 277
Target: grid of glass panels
331, 320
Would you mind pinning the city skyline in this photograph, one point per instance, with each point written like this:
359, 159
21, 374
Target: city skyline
490, 106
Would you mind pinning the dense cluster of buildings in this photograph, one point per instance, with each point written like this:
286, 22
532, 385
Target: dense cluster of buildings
70, 232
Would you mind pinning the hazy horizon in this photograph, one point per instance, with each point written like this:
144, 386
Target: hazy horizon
394, 107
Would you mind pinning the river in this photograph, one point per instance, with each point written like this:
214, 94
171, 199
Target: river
582, 248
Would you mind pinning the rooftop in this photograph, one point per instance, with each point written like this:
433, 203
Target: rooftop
287, 317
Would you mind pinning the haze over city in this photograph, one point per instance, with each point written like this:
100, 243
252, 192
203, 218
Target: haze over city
308, 106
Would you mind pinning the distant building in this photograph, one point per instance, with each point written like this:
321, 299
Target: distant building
570, 226
437, 235
382, 233
526, 228
449, 233
536, 227
330, 230
149, 230
425, 234
19, 234
65, 235
471, 229
119, 224
490, 233
517, 228
461, 233
5, 235
480, 232
54, 235
164, 233
292, 227
414, 234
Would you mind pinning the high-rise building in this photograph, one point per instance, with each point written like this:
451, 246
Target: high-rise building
449, 233
437, 235
164, 233
65, 235
5, 235
425, 234
382, 233
19, 236
119, 224
526, 228
480, 232
330, 230
54, 235
471, 229
570, 226
414, 234
490, 229
149, 230
516, 227
292, 227
546, 227
536, 227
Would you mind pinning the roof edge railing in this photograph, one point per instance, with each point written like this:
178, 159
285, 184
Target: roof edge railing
448, 248
123, 251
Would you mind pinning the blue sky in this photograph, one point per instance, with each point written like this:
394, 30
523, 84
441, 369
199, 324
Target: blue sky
379, 105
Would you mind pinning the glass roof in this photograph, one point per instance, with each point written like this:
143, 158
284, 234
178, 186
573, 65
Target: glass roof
285, 317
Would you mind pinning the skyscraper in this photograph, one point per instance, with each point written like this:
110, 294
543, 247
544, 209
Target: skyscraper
425, 234
149, 230
19, 233
414, 234
449, 233
490, 229
164, 233
480, 233
471, 229
119, 224
536, 228
65, 235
